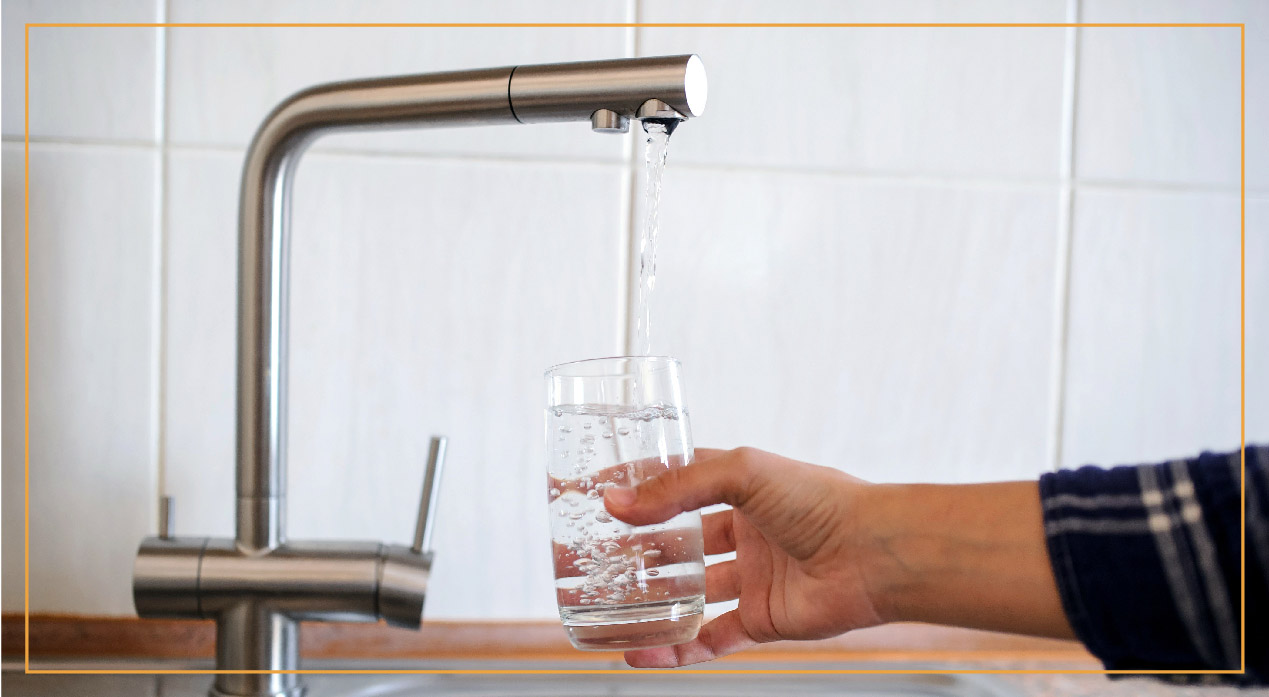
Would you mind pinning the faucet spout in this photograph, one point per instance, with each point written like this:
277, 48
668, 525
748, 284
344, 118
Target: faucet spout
523, 94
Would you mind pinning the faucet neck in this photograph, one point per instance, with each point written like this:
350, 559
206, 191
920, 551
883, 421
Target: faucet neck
526, 94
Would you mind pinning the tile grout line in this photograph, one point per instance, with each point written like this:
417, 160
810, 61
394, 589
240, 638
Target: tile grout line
866, 176
628, 210
1065, 241
158, 299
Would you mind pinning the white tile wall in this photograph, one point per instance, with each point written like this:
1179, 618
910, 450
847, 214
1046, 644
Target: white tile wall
1161, 104
986, 102
895, 330
860, 244
1153, 350
86, 83
92, 481
218, 98
199, 325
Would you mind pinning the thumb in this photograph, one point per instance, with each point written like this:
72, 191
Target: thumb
728, 478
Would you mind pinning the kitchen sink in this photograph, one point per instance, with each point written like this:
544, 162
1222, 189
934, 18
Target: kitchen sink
626, 683
632, 685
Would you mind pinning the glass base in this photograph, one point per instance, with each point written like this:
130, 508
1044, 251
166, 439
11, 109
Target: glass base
641, 626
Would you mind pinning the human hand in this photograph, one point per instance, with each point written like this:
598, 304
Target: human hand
796, 572
819, 552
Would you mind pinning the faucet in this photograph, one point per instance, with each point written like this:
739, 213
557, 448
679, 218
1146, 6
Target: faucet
259, 585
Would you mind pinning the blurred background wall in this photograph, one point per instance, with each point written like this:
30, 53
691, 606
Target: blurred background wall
940, 254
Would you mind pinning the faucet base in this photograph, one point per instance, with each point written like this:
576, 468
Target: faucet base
297, 691
250, 637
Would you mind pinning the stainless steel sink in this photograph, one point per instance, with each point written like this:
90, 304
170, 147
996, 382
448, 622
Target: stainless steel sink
661, 685
627, 683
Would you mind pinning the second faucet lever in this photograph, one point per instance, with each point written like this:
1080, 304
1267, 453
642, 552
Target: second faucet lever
431, 492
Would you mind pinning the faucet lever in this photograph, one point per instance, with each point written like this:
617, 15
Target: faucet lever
431, 492
166, 524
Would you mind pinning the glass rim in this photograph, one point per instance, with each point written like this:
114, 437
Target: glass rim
555, 369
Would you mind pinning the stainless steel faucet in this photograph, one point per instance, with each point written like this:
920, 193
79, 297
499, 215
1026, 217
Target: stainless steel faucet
259, 586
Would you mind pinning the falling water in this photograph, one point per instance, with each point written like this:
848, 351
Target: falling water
657, 139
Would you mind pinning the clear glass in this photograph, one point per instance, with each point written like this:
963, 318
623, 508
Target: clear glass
616, 422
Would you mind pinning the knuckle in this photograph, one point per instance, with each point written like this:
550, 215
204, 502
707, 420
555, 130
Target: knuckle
746, 473
747, 458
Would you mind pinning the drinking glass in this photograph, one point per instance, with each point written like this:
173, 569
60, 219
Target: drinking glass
616, 422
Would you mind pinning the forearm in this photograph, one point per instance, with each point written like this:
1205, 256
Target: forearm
963, 555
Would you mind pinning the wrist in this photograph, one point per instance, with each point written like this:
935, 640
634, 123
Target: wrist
891, 570
964, 555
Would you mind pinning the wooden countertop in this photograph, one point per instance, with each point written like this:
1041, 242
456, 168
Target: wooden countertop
96, 638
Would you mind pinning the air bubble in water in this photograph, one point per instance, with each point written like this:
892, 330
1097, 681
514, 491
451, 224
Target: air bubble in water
607, 434
586, 425
653, 572
559, 412
623, 431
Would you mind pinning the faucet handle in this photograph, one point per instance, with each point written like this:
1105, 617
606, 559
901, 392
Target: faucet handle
431, 493
166, 524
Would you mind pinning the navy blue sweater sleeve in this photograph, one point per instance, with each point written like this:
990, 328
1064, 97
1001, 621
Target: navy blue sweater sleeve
1148, 562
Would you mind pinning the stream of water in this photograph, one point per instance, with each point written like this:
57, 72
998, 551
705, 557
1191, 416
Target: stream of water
656, 142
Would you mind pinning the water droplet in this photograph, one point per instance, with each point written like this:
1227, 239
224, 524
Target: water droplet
603, 517
592, 494
586, 425
652, 553
607, 434
653, 572
559, 412
554, 492
566, 429
623, 431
